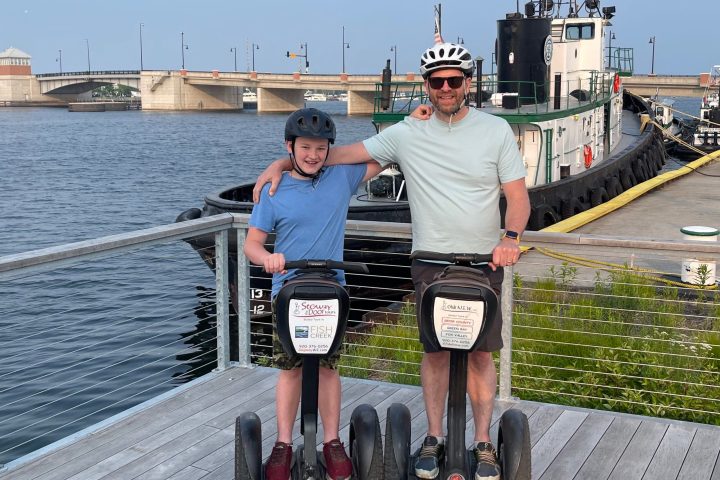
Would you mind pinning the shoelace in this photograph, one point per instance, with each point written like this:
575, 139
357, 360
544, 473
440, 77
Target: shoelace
485, 456
430, 450
337, 452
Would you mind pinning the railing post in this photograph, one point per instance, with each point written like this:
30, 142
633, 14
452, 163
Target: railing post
221, 300
506, 307
243, 300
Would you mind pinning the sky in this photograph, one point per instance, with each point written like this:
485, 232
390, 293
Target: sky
217, 31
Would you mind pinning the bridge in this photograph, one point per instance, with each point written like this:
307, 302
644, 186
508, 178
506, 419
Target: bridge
81, 82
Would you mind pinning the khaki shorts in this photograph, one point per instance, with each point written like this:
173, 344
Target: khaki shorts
423, 274
282, 361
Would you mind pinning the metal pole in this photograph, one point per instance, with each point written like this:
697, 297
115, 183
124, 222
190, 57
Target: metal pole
141, 52
222, 307
234, 49
506, 306
254, 47
307, 60
343, 48
60, 59
182, 48
243, 301
652, 64
87, 44
394, 49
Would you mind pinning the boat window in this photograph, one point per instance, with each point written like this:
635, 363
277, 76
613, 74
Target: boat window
580, 31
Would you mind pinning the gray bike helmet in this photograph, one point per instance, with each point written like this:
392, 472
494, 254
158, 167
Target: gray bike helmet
446, 55
309, 122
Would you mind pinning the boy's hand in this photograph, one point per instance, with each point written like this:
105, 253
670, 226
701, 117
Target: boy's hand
274, 263
422, 112
272, 174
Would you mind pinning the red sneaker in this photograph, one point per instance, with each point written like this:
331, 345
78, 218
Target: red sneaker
336, 460
278, 465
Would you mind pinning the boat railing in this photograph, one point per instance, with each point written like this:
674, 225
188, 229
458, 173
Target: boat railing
94, 329
622, 61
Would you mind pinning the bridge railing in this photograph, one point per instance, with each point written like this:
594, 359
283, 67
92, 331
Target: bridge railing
87, 73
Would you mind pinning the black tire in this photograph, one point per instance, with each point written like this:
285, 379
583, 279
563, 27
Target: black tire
248, 447
366, 451
613, 187
597, 196
397, 442
542, 216
514, 446
571, 207
627, 179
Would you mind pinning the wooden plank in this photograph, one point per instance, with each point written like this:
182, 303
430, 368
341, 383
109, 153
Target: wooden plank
609, 449
189, 473
567, 463
554, 439
702, 456
638, 454
668, 459
541, 420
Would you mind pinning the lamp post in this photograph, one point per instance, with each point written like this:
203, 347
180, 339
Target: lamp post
344, 46
254, 47
141, 52
59, 59
234, 50
652, 63
183, 47
610, 39
394, 49
460, 41
87, 44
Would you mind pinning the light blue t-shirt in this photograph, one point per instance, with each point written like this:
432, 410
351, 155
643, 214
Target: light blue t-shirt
308, 217
453, 174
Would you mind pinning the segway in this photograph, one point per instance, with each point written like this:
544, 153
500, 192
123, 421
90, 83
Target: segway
457, 308
312, 312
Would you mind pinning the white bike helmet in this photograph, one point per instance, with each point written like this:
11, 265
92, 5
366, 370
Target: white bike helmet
446, 55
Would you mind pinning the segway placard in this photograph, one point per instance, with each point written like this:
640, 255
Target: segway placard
313, 325
458, 323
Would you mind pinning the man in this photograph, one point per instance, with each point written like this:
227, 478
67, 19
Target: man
455, 164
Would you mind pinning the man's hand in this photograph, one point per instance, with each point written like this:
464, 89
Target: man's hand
274, 263
422, 112
506, 253
272, 174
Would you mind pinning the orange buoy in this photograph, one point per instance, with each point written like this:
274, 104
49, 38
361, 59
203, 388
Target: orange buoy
587, 154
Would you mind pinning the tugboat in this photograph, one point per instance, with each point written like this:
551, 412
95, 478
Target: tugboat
703, 134
578, 131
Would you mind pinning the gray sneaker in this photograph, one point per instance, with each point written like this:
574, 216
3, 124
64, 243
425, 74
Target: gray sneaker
487, 463
427, 464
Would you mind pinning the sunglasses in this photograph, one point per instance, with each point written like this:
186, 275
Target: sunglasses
436, 83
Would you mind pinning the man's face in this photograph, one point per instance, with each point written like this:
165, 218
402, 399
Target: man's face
445, 98
310, 153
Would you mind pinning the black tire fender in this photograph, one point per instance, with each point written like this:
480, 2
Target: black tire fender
248, 447
542, 216
613, 187
597, 196
365, 443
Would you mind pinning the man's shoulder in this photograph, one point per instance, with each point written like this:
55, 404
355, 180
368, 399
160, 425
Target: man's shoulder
477, 115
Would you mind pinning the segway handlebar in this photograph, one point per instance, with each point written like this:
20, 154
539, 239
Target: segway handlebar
351, 267
452, 257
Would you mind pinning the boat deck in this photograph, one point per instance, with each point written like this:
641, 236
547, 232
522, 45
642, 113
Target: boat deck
189, 435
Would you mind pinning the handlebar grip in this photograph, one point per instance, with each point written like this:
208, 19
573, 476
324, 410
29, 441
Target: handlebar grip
452, 257
352, 267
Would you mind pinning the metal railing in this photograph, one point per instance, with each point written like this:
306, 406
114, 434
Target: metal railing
95, 327
85, 73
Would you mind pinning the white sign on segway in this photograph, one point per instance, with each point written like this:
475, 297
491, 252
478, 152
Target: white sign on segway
457, 322
313, 324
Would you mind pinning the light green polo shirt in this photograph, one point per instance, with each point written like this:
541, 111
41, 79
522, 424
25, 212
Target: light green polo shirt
453, 175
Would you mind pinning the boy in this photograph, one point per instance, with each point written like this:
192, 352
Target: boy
308, 214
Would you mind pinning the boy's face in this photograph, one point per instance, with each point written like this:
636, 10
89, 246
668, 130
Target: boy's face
310, 153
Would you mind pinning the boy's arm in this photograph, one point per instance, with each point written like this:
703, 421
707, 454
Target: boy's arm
257, 253
345, 154
373, 168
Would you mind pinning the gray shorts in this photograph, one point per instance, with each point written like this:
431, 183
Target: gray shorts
423, 274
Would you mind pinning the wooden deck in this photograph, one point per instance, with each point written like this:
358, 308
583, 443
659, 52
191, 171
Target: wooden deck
189, 435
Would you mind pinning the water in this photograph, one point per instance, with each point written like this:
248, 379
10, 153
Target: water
68, 177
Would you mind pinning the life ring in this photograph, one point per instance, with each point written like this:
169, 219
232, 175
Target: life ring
587, 154
616, 83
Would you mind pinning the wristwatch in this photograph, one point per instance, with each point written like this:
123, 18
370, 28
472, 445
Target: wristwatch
512, 235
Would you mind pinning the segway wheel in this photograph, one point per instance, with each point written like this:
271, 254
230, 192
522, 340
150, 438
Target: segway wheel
397, 442
366, 450
248, 447
514, 445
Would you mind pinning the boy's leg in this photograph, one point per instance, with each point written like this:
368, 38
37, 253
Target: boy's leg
287, 398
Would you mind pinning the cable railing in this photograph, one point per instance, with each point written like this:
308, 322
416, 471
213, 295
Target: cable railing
93, 328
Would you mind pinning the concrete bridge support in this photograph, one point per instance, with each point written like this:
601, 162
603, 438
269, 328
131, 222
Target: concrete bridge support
361, 103
272, 100
171, 91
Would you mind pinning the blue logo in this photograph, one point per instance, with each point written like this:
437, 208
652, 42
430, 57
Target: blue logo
301, 332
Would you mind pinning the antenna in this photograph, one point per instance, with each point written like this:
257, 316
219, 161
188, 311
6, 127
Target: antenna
438, 18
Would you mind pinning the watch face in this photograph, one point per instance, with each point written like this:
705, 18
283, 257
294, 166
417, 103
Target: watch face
548, 50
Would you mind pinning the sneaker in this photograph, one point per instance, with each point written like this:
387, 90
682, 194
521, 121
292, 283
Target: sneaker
428, 461
487, 466
337, 463
278, 465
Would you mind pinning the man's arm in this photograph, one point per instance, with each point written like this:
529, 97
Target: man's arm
257, 253
507, 251
342, 155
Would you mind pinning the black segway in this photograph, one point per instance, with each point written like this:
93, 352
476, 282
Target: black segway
458, 307
312, 312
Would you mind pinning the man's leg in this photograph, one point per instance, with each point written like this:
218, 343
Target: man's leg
481, 383
434, 376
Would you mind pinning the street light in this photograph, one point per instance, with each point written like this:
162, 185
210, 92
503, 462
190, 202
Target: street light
234, 50
652, 64
141, 59
183, 47
394, 49
87, 44
254, 47
460, 41
344, 46
59, 59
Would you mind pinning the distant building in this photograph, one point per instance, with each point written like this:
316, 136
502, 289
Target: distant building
14, 62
